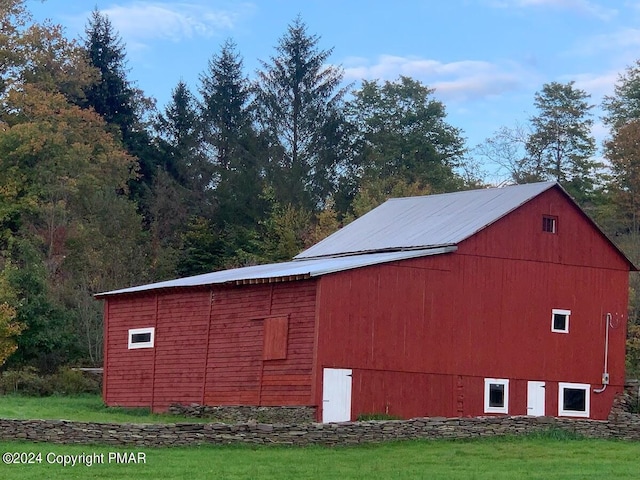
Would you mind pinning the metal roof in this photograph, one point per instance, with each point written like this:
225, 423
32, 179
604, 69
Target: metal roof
425, 222
399, 229
294, 270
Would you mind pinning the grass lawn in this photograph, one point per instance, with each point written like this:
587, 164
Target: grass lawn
552, 455
81, 408
512, 458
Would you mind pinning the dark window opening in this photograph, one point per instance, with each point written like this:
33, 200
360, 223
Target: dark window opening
574, 399
559, 321
141, 337
549, 224
496, 395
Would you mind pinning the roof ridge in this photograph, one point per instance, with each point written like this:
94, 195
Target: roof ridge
476, 190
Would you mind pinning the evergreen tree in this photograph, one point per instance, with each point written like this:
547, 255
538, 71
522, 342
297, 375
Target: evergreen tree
229, 136
116, 99
180, 141
298, 108
231, 146
225, 114
112, 97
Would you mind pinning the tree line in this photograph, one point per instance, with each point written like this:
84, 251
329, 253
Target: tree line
100, 189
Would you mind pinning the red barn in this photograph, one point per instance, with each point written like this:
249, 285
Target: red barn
495, 301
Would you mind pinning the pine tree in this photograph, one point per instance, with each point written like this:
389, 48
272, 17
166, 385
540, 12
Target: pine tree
179, 129
112, 97
298, 107
231, 146
117, 101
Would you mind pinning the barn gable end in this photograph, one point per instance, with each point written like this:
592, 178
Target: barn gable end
439, 327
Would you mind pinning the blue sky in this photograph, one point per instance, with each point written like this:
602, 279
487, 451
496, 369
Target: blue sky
485, 58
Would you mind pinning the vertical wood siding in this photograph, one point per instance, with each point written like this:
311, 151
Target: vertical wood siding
420, 335
443, 324
237, 373
124, 385
288, 381
180, 344
210, 346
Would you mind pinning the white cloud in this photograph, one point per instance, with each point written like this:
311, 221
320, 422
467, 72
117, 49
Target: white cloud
623, 39
597, 85
456, 81
142, 21
584, 7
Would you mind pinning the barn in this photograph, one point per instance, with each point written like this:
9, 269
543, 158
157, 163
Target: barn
500, 301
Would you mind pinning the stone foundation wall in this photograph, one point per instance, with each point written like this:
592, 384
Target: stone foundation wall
242, 414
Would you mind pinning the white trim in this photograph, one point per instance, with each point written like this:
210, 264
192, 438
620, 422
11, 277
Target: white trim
587, 400
559, 311
487, 390
137, 331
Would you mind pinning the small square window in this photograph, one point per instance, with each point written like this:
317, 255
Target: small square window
496, 395
560, 320
573, 399
549, 224
141, 337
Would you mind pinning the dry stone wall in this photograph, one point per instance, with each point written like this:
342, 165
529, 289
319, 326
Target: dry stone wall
621, 425
625, 426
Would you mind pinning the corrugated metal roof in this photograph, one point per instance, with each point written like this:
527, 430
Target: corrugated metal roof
425, 222
296, 269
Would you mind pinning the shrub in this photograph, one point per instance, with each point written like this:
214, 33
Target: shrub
24, 380
65, 381
72, 382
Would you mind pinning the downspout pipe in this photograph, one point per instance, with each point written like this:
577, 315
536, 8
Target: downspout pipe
605, 373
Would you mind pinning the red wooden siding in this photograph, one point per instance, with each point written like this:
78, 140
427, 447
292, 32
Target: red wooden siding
210, 346
519, 235
275, 338
124, 385
420, 335
448, 322
235, 345
181, 347
237, 373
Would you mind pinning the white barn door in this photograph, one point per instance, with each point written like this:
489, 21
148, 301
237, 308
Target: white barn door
336, 395
535, 398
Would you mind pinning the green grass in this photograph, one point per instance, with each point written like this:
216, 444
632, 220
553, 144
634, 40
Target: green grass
554, 454
512, 458
81, 408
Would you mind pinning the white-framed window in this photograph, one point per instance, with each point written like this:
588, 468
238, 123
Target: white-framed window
141, 337
496, 395
560, 320
574, 399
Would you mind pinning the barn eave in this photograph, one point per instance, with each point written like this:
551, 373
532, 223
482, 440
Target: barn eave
286, 271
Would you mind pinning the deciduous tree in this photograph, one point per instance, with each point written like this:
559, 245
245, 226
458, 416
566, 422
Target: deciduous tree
561, 146
624, 105
402, 136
